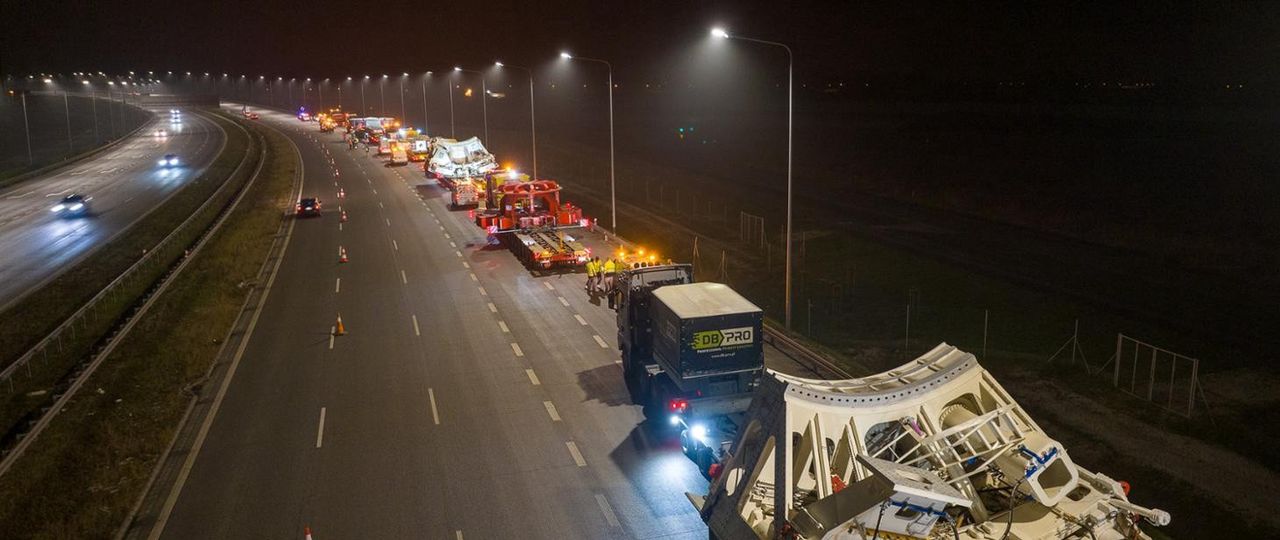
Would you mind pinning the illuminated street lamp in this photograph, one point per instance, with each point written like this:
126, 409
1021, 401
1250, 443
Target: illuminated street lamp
613, 202
720, 33
426, 122
533, 125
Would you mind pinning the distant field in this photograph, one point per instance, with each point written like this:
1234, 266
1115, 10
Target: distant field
47, 117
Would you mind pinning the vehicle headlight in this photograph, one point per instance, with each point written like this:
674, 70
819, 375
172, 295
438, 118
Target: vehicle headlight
699, 432
58, 208
163, 162
77, 206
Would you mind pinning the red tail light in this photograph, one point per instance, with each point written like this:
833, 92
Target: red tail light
678, 405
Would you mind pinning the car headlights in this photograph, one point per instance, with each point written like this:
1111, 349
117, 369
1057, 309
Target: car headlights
58, 208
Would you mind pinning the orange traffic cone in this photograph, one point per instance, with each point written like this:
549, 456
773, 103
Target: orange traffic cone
342, 254
341, 193
306, 531
344, 216
338, 329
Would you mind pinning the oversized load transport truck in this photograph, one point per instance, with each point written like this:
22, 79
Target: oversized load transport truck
692, 354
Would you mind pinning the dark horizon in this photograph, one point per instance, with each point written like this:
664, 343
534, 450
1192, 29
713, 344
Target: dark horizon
1182, 45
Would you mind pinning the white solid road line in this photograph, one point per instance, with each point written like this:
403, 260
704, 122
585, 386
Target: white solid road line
435, 415
320, 430
563, 301
600, 340
533, 377
504, 328
515, 347
577, 456
337, 286
416, 331
581, 320
403, 278
609, 516
551, 411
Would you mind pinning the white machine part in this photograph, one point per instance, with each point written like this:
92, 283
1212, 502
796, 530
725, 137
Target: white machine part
933, 449
457, 159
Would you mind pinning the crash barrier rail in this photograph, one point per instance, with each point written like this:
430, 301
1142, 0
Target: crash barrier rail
779, 339
166, 252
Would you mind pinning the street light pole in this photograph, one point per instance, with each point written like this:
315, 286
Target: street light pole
484, 100
403, 115
66, 108
426, 123
382, 95
453, 134
613, 201
722, 34
533, 123
364, 108
26, 126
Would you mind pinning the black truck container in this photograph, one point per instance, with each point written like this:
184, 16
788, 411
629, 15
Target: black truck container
703, 331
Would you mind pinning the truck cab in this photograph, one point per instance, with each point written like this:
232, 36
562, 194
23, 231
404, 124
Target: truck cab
692, 354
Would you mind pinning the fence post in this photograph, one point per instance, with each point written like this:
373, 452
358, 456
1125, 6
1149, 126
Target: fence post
1195, 378
986, 317
1115, 378
1075, 342
1151, 379
906, 340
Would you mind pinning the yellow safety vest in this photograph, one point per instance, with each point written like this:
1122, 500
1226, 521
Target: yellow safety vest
593, 268
610, 267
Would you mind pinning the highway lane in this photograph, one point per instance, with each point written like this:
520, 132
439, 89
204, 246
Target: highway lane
468, 399
124, 182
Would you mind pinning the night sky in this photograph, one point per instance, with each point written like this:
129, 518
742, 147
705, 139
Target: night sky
1200, 43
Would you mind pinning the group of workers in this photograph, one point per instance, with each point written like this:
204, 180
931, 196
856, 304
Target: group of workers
600, 276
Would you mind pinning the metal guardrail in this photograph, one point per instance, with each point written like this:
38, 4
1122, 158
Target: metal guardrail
781, 341
149, 297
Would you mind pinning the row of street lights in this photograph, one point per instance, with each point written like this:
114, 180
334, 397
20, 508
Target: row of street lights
716, 33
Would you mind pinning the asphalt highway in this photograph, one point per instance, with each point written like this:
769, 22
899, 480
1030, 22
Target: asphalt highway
468, 398
124, 182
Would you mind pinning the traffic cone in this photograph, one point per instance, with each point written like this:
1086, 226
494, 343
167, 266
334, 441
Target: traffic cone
306, 531
344, 216
342, 254
338, 329
341, 194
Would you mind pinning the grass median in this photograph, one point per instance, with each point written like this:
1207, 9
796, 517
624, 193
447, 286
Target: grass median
81, 478
32, 318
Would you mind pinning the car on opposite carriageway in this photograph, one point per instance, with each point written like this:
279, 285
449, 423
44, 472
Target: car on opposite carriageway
74, 205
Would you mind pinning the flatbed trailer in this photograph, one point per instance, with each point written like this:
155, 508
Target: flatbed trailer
529, 219
546, 248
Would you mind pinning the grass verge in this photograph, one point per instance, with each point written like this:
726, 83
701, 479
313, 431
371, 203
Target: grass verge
28, 321
81, 478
